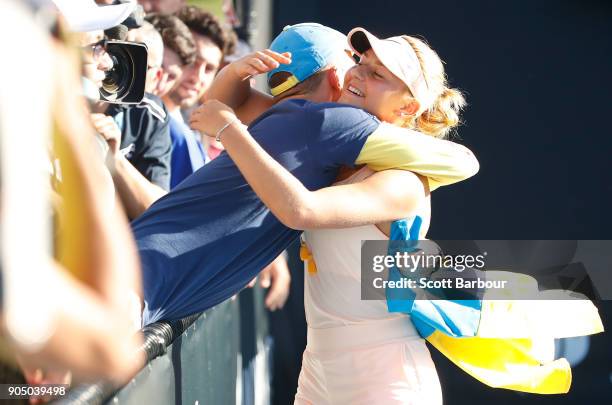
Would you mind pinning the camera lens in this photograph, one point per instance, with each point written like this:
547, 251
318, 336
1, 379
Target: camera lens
118, 80
125, 82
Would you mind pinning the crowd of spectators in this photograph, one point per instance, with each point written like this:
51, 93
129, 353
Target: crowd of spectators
76, 169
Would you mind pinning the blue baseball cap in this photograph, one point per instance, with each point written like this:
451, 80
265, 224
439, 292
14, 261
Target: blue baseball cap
313, 46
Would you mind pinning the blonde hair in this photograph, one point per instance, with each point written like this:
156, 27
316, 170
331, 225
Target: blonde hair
439, 118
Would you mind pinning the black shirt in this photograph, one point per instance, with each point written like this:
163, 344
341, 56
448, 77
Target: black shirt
145, 137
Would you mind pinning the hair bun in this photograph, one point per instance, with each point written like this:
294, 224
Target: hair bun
443, 115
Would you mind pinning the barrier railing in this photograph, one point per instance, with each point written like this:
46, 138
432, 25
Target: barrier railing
217, 357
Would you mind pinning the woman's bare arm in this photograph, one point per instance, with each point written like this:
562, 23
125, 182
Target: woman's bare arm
373, 200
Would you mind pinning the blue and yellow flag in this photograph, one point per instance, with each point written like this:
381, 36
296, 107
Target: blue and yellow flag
502, 343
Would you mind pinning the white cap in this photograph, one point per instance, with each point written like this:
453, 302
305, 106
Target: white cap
397, 55
86, 15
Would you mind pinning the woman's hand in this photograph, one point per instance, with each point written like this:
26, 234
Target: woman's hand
211, 116
259, 62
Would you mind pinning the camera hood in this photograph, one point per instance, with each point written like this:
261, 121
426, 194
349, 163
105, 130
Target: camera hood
125, 81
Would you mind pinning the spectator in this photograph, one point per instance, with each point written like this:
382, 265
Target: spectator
212, 43
180, 52
138, 137
176, 57
199, 41
145, 140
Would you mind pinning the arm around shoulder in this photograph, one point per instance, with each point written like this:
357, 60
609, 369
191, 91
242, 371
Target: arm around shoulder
442, 162
384, 196
371, 201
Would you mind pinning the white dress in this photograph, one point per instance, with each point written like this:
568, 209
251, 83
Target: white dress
357, 352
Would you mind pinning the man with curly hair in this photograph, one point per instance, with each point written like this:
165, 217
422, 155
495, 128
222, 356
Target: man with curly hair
213, 41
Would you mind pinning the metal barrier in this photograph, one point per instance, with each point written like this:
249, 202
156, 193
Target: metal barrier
217, 357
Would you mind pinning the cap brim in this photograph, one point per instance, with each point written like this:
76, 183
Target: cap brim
397, 56
84, 15
360, 40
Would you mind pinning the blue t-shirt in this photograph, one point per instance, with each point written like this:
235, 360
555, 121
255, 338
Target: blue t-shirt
187, 152
205, 240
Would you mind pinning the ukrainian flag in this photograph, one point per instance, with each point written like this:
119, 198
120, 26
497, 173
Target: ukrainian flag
505, 343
